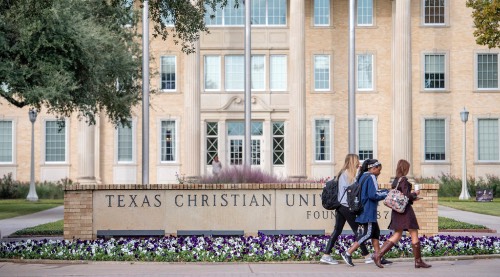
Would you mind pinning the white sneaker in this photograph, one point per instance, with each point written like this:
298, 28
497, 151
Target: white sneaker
327, 259
369, 260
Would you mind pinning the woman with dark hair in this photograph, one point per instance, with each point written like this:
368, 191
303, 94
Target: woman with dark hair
370, 196
347, 176
406, 221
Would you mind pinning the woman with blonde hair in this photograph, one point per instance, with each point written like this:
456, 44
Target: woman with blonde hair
346, 177
406, 221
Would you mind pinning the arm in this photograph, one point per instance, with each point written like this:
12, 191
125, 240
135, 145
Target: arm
405, 188
372, 191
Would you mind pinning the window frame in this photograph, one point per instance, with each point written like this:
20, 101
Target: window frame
329, 15
374, 120
66, 141
330, 140
476, 70
476, 119
133, 127
176, 141
176, 83
329, 73
283, 137
446, 56
205, 72
221, 13
208, 160
372, 72
445, 15
285, 74
13, 141
372, 15
446, 138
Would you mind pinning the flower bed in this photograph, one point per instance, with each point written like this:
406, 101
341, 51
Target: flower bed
230, 249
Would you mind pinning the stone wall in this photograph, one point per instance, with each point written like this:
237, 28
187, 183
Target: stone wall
245, 207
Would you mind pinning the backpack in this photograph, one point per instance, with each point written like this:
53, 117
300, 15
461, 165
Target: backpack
354, 196
329, 196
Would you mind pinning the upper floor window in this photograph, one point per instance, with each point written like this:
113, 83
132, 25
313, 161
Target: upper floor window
365, 13
55, 141
435, 139
487, 71
365, 72
321, 12
234, 72
278, 73
212, 72
322, 139
168, 73
488, 139
125, 143
278, 143
264, 12
434, 12
6, 141
434, 72
168, 141
365, 139
321, 72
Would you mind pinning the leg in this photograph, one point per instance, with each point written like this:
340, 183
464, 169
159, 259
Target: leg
416, 250
364, 233
351, 220
339, 226
388, 244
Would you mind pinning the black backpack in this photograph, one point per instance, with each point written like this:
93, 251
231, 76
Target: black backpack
329, 196
354, 196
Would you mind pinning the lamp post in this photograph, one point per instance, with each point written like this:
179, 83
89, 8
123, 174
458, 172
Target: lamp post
464, 195
32, 196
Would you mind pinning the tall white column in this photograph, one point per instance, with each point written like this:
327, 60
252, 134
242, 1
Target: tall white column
402, 92
86, 153
296, 161
192, 114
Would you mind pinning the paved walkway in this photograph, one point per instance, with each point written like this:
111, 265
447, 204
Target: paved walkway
10, 225
492, 222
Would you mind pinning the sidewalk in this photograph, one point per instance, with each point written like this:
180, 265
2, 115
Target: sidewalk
11, 225
492, 222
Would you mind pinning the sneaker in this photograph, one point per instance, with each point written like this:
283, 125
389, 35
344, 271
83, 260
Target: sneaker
369, 259
347, 259
327, 259
384, 261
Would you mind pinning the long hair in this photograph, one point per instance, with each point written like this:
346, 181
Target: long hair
367, 164
402, 168
350, 167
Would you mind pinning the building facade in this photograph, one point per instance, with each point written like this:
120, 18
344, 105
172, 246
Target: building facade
417, 67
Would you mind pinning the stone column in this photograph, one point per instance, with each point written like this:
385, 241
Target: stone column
86, 153
191, 140
296, 161
402, 87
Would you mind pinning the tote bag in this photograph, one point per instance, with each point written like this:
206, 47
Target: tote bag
396, 200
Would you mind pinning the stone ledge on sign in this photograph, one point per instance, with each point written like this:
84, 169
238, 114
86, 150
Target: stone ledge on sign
247, 186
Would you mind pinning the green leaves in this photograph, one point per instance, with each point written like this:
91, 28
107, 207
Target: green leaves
486, 14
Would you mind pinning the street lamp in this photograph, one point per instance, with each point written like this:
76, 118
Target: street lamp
464, 195
32, 196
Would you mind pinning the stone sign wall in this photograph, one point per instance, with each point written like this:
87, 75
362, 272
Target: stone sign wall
242, 207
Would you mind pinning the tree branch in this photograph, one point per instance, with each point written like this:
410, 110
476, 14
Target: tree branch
11, 100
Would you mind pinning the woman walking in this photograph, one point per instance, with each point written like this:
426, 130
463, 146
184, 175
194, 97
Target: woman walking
368, 226
406, 221
347, 176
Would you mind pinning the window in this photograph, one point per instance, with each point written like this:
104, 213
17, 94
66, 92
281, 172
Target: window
55, 141
234, 73
278, 75
365, 139
278, 143
488, 139
322, 72
365, 13
487, 71
321, 12
212, 141
434, 12
434, 72
236, 132
435, 140
168, 68
212, 73
234, 79
264, 12
168, 141
6, 142
365, 72
168, 20
125, 143
322, 139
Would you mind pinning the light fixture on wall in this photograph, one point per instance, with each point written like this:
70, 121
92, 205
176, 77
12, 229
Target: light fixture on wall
464, 195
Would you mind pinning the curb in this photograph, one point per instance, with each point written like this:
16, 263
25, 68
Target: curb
467, 231
358, 261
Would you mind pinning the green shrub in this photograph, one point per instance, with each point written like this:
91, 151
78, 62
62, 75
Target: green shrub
451, 186
9, 188
12, 189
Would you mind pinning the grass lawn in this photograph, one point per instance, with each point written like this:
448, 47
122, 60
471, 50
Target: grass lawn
489, 208
445, 223
47, 229
17, 207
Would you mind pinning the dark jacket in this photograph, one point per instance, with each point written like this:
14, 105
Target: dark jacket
369, 198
